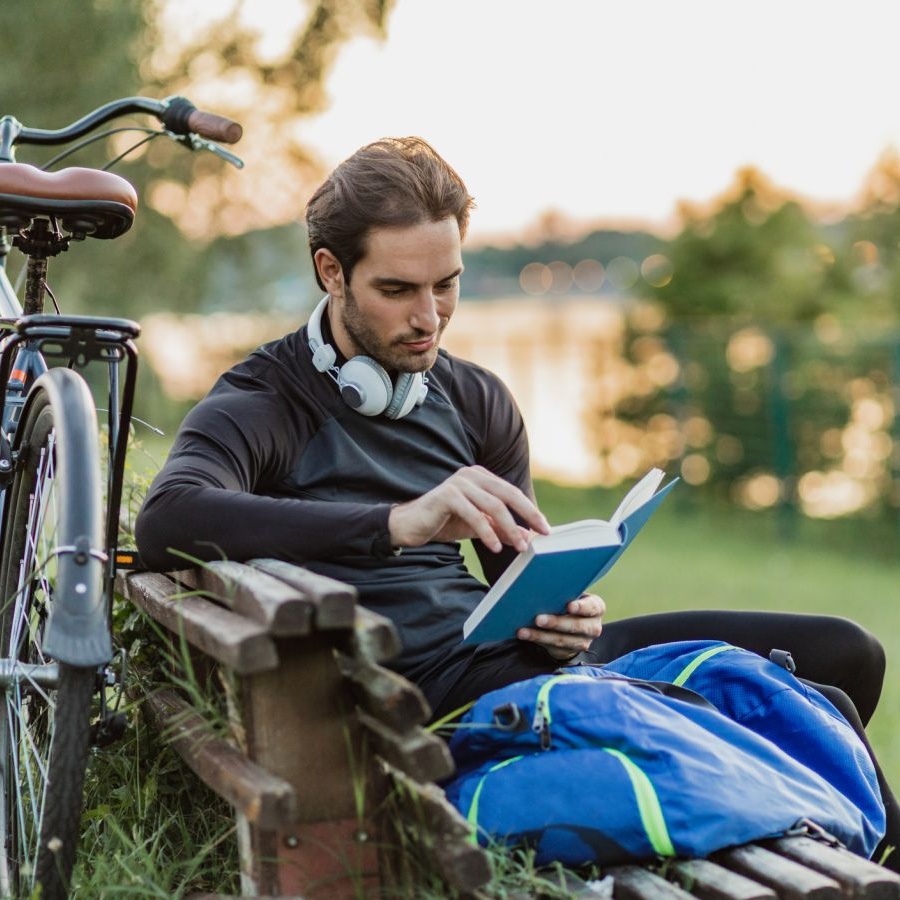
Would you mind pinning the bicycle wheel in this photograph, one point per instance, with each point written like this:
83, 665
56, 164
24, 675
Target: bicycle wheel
45, 720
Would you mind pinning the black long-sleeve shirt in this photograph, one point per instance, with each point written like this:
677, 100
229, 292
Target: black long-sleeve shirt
273, 463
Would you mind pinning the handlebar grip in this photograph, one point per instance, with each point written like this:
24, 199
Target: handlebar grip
216, 128
182, 117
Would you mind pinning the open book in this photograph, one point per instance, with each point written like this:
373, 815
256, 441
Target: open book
559, 566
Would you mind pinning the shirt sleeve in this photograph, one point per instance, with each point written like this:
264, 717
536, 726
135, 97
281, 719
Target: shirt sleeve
231, 445
497, 433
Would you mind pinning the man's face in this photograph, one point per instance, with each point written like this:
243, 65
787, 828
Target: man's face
404, 291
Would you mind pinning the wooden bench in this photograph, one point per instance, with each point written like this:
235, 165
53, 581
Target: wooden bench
332, 776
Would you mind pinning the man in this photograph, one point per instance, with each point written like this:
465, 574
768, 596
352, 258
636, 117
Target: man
359, 448
275, 462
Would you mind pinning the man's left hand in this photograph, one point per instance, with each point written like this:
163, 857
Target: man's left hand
564, 637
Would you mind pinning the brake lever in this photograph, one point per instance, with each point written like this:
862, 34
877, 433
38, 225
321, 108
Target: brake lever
195, 142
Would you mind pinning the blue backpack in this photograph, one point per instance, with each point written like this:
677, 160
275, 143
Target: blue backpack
676, 750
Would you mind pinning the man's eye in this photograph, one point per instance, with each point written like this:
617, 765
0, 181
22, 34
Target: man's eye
447, 285
393, 292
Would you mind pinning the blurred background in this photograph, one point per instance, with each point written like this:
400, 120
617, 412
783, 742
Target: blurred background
686, 250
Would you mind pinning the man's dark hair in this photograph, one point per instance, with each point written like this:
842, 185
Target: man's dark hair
392, 182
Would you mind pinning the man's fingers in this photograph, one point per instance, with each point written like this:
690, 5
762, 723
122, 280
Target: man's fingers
511, 497
472, 502
494, 513
486, 503
591, 626
573, 632
587, 605
574, 643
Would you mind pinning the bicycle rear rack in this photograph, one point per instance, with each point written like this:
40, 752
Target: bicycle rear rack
79, 340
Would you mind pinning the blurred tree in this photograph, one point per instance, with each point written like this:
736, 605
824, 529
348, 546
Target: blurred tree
755, 253
78, 54
72, 57
871, 241
227, 62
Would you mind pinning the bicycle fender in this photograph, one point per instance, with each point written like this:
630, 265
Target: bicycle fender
77, 630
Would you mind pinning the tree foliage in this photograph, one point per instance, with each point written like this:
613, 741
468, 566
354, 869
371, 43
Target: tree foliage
871, 242
756, 254
63, 58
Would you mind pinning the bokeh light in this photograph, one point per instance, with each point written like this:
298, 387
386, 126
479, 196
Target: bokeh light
535, 279
561, 278
657, 270
589, 275
622, 273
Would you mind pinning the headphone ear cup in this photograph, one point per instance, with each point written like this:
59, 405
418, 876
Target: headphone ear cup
365, 386
407, 395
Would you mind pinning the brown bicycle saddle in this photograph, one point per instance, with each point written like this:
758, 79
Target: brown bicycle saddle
86, 201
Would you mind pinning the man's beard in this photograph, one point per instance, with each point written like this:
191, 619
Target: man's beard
391, 355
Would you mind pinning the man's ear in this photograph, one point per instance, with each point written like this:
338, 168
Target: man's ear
330, 271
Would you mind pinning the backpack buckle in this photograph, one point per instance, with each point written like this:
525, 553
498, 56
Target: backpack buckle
508, 717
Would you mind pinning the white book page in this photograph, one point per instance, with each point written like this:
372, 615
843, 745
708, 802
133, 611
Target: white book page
576, 535
638, 496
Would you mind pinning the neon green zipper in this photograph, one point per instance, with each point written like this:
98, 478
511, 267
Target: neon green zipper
540, 724
698, 661
472, 817
649, 807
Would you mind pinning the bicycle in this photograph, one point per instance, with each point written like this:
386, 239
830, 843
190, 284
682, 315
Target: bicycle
58, 537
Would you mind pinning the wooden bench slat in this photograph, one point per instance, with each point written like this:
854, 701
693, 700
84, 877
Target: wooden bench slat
859, 877
254, 594
374, 637
788, 879
419, 754
428, 805
384, 694
265, 800
333, 601
446, 836
635, 883
232, 640
463, 866
704, 879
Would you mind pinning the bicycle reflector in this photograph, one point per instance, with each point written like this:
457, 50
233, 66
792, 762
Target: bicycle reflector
127, 559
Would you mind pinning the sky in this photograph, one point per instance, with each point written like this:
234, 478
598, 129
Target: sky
616, 111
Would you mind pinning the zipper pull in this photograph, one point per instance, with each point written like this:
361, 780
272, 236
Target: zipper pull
540, 724
784, 659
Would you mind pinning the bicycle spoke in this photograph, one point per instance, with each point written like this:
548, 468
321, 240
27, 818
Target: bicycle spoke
30, 771
6, 885
28, 712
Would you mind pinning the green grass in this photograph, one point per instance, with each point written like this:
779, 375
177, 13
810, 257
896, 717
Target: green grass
150, 827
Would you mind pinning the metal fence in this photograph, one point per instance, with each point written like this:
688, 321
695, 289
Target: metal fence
800, 419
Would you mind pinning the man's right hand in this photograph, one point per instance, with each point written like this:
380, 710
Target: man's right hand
471, 503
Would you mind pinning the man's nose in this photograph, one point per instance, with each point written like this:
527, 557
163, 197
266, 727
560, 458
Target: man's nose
425, 315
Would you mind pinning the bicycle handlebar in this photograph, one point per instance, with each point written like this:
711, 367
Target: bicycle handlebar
182, 117
177, 114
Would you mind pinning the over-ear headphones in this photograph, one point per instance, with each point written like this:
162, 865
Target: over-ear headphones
363, 383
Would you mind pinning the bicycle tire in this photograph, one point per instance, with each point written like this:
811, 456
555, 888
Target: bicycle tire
44, 728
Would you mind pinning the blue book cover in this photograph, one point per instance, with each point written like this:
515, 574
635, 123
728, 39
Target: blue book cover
558, 567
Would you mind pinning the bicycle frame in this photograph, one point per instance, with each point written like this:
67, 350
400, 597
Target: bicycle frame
10, 308
79, 340
26, 346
